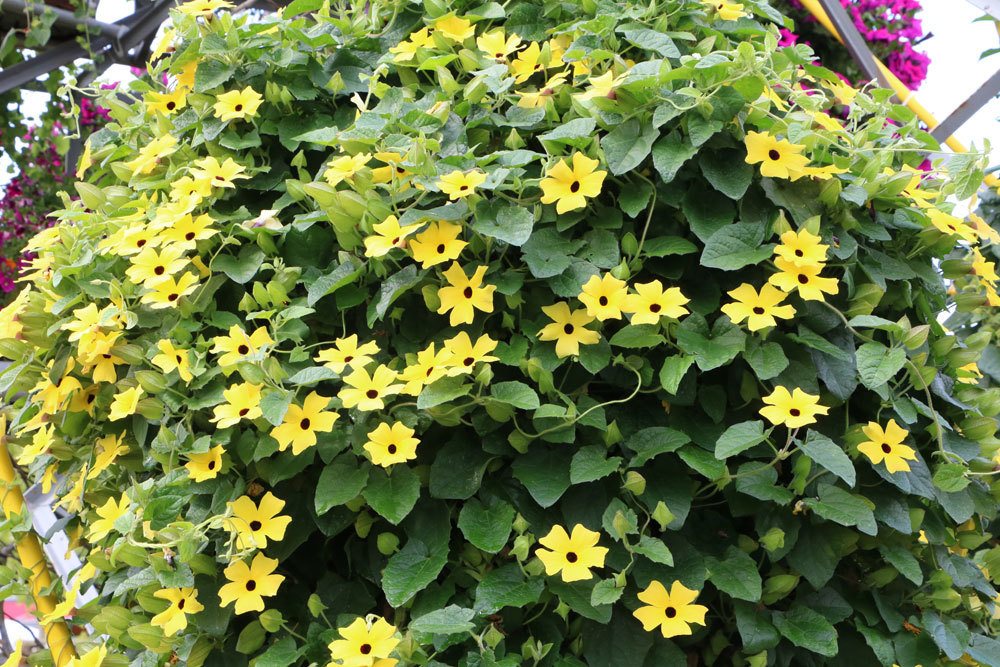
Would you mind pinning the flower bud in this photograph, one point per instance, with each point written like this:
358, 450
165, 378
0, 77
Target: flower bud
152, 382
387, 543
363, 524
520, 524
662, 515
916, 336
773, 539
955, 268
315, 605
635, 483
522, 544
778, 586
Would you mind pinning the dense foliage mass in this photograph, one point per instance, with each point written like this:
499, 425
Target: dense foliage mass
544, 333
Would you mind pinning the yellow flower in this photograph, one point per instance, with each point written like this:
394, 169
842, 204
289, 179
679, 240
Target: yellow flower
106, 450
464, 295
544, 95
571, 555
205, 466
793, 409
727, 11
458, 184
173, 619
886, 446
969, 373
124, 403
150, 154
301, 424
568, 329
526, 63
220, 175
86, 160
651, 302
429, 367
346, 352
41, 441
189, 189
672, 612
982, 229
345, 167
822, 173
367, 392
72, 501
388, 235
984, 269
801, 248
168, 102
777, 158
92, 658
365, 643
759, 310
602, 86
949, 225
805, 279
391, 444
242, 402
109, 512
166, 294
151, 266
237, 104
497, 45
248, 586
255, 524
204, 8
570, 187
14, 659
438, 243
454, 29
163, 44
405, 51
604, 297
463, 354
172, 359
238, 346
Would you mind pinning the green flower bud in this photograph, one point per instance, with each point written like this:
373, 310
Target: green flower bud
363, 524
315, 605
271, 619
956, 268
522, 545
388, 543
773, 539
520, 524
152, 382
778, 586
634, 483
662, 515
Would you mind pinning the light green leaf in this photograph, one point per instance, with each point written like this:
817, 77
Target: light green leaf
635, 336
655, 550
626, 146
340, 482
828, 454
510, 224
393, 493
592, 463
739, 438
673, 371
807, 629
877, 364
516, 394
736, 575
451, 620
670, 153
735, 246
844, 508
411, 570
486, 526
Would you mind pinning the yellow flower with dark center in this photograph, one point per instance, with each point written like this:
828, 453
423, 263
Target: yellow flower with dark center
172, 359
570, 187
393, 171
651, 302
388, 236
793, 409
173, 619
453, 28
237, 104
544, 95
124, 403
777, 157
804, 279
527, 63
986, 270
106, 451
301, 424
189, 189
464, 295
365, 644
438, 243
758, 309
238, 346
242, 402
950, 225
568, 329
249, 585
345, 167
673, 613
801, 248
167, 294
464, 354
102, 367
109, 512
604, 296
368, 392
391, 444
163, 44
458, 184
602, 86
430, 366
496, 44
220, 175
346, 352
205, 466
886, 446
571, 555
151, 266
41, 441
203, 8
168, 102
405, 51
185, 79
727, 11
255, 524
151, 153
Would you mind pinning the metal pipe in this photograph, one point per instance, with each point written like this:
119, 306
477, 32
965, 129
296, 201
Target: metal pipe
64, 18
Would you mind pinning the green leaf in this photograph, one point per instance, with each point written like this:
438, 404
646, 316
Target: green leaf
212, 73
591, 463
877, 364
577, 596
650, 40
571, 132
655, 550
664, 246
670, 153
605, 592
950, 477
806, 629
950, 634
548, 253
626, 146
242, 267
903, 560
544, 471
710, 349
410, 571
391, 289
844, 508
653, 441
457, 471
755, 627
635, 336
736, 575
600, 248
510, 224
393, 493
767, 360
634, 199
486, 527
727, 171
312, 375
739, 438
506, 586
706, 211
442, 391
735, 246
673, 371
516, 394
340, 482
451, 620
826, 453
281, 653
759, 480
275, 404
343, 275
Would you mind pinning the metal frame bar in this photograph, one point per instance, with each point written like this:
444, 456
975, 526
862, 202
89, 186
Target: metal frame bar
968, 108
853, 41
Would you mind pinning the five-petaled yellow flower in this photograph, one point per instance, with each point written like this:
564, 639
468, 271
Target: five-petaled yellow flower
527, 63
803, 278
727, 11
438, 243
151, 266
453, 28
758, 309
458, 184
346, 352
205, 466
568, 329
237, 104
886, 446
464, 295
651, 302
167, 293
801, 248
109, 512
497, 44
388, 445
242, 402
464, 354
368, 392
249, 585
604, 296
150, 154
125, 403
406, 50
673, 613
209, 171
168, 102
949, 224
237, 346
172, 359
301, 424
173, 619
793, 409
92, 658
431, 365
203, 8
255, 524
570, 187
778, 158
388, 236
365, 644
345, 167
571, 555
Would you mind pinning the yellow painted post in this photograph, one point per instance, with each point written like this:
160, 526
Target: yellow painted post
29, 552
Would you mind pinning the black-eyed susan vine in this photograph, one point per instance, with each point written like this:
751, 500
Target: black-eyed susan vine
603, 333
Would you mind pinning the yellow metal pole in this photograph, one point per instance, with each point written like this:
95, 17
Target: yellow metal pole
29, 552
